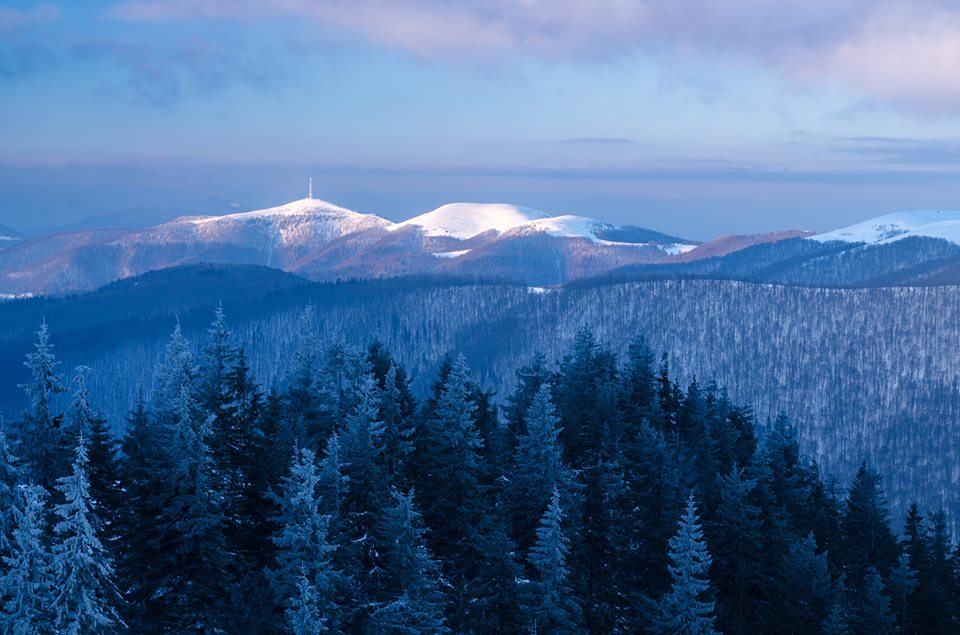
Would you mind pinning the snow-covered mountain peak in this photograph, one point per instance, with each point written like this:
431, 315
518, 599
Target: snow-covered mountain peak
466, 220
309, 207
899, 225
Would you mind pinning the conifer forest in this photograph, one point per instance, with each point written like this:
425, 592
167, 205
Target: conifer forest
599, 496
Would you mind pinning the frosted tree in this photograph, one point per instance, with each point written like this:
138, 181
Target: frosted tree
9, 477
303, 611
304, 579
302, 400
83, 421
687, 607
40, 435
539, 470
552, 607
85, 595
191, 521
413, 601
363, 495
25, 588
398, 429
176, 372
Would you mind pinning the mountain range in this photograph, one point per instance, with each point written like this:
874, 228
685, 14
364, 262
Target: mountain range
323, 242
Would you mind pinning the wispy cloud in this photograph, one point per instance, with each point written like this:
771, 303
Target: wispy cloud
899, 51
14, 18
160, 74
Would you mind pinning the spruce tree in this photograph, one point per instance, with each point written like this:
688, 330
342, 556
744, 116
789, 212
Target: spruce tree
412, 601
552, 607
902, 582
40, 430
194, 563
803, 591
687, 607
539, 469
303, 579
872, 615
736, 544
83, 421
867, 539
10, 471
85, 597
363, 495
26, 586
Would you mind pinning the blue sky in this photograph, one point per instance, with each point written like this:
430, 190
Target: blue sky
693, 117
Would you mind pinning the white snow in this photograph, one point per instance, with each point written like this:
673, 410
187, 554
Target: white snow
302, 207
450, 254
466, 220
568, 226
8, 238
676, 248
897, 226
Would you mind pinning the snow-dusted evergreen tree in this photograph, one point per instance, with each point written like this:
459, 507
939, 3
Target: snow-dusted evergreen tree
83, 421
449, 473
410, 582
26, 585
552, 607
539, 469
303, 610
363, 495
687, 608
41, 435
303, 552
303, 404
398, 428
191, 523
85, 596
10, 472
176, 371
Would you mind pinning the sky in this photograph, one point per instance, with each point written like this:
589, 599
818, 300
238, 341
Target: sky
693, 117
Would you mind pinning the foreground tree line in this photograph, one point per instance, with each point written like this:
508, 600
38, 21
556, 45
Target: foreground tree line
600, 497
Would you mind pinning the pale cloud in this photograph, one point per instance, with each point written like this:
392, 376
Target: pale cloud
13, 18
905, 52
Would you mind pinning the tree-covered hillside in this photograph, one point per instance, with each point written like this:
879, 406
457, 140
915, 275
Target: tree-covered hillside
600, 494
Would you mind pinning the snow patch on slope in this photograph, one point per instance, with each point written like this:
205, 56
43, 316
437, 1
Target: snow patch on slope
897, 226
466, 220
450, 254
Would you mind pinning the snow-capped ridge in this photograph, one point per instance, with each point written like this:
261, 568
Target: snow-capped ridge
466, 220
298, 208
897, 226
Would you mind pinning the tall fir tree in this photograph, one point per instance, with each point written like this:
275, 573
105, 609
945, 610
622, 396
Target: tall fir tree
10, 473
83, 421
363, 495
26, 586
867, 539
41, 434
303, 579
85, 597
552, 606
538, 469
735, 537
688, 607
412, 601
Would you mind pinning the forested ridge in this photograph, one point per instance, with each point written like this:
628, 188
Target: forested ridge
600, 496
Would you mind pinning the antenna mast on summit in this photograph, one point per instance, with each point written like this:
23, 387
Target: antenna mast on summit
310, 188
